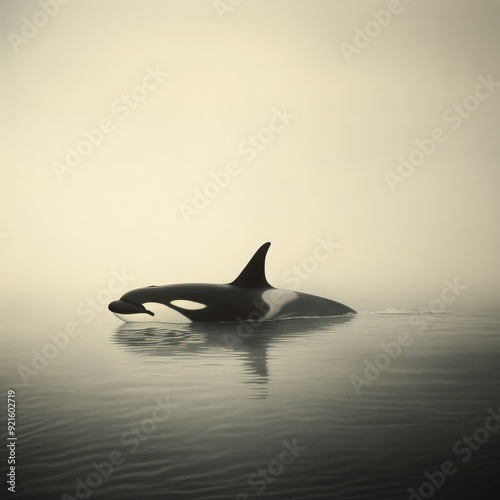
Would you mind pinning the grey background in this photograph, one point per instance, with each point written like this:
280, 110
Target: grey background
322, 176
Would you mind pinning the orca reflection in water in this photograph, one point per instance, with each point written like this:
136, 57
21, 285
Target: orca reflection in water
248, 298
224, 342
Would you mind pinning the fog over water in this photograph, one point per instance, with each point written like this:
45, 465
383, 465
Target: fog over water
179, 89
153, 142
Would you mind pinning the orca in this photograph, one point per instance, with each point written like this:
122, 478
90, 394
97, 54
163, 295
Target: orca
248, 298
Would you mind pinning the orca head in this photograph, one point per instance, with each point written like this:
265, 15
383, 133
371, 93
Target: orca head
153, 303
130, 307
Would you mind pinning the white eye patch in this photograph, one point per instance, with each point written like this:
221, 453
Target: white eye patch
188, 304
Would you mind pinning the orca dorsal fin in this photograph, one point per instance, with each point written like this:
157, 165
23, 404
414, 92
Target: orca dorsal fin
254, 275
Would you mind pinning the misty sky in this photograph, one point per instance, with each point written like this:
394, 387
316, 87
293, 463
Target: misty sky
309, 116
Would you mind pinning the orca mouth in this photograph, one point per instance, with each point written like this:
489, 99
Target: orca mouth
126, 307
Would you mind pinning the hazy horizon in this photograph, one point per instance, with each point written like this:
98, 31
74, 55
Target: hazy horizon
180, 89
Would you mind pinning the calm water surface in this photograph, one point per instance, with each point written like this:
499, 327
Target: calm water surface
196, 412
